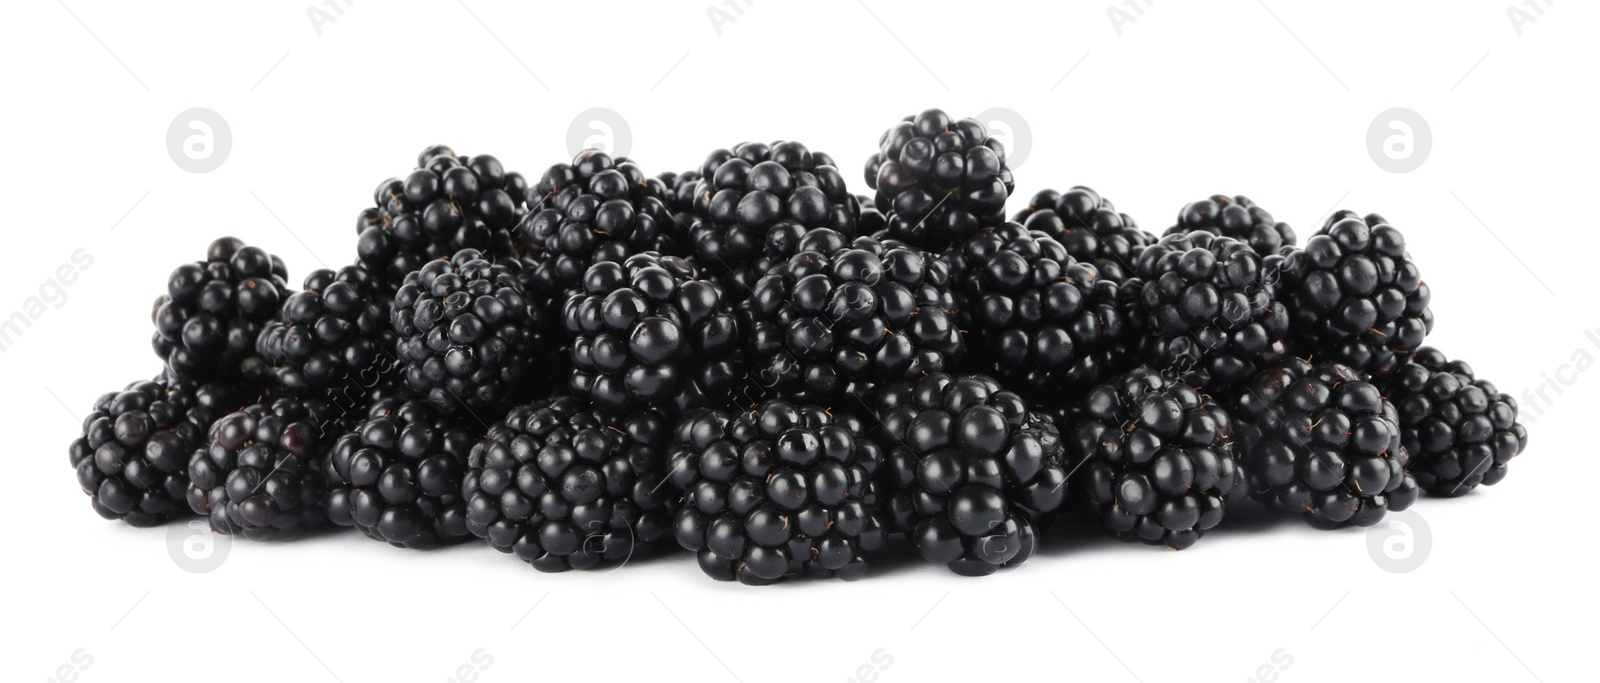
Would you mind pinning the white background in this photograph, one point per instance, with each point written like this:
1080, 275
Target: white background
1271, 100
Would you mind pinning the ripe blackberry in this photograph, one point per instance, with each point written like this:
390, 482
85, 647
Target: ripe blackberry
970, 469
1157, 457
1037, 319
1323, 441
1211, 310
648, 332
331, 332
939, 180
448, 203
566, 487
1354, 295
466, 333
594, 210
397, 476
828, 325
871, 221
258, 474
746, 194
208, 321
1459, 431
1090, 227
680, 190
1235, 217
778, 491
131, 455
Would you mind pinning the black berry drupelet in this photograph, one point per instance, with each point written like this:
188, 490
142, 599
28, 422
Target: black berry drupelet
778, 491
594, 210
1090, 227
829, 325
1157, 458
1235, 217
1355, 296
970, 471
1323, 441
1212, 316
397, 476
938, 179
564, 486
467, 333
259, 473
747, 193
648, 332
334, 331
208, 321
1459, 431
448, 203
135, 444
1044, 324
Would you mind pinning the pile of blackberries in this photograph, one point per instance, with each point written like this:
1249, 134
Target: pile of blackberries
751, 362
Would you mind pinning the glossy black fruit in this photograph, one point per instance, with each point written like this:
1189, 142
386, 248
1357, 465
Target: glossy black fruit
1090, 227
1459, 431
397, 476
333, 332
208, 321
1235, 217
938, 179
259, 475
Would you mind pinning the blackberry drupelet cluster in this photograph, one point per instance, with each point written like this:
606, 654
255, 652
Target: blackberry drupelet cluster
1157, 458
971, 472
1355, 296
566, 487
1213, 319
397, 476
780, 490
1459, 431
1090, 227
823, 326
448, 203
1323, 441
467, 333
1044, 324
258, 475
939, 180
1235, 217
594, 210
132, 453
334, 331
208, 321
649, 333
746, 194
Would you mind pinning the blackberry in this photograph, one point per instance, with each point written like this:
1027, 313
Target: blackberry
1235, 217
1459, 431
1354, 295
333, 331
1323, 441
747, 193
135, 444
466, 333
828, 325
971, 471
594, 210
1090, 227
1211, 310
680, 191
871, 221
208, 321
258, 474
1037, 319
397, 476
449, 202
565, 487
778, 491
648, 332
939, 180
1157, 457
